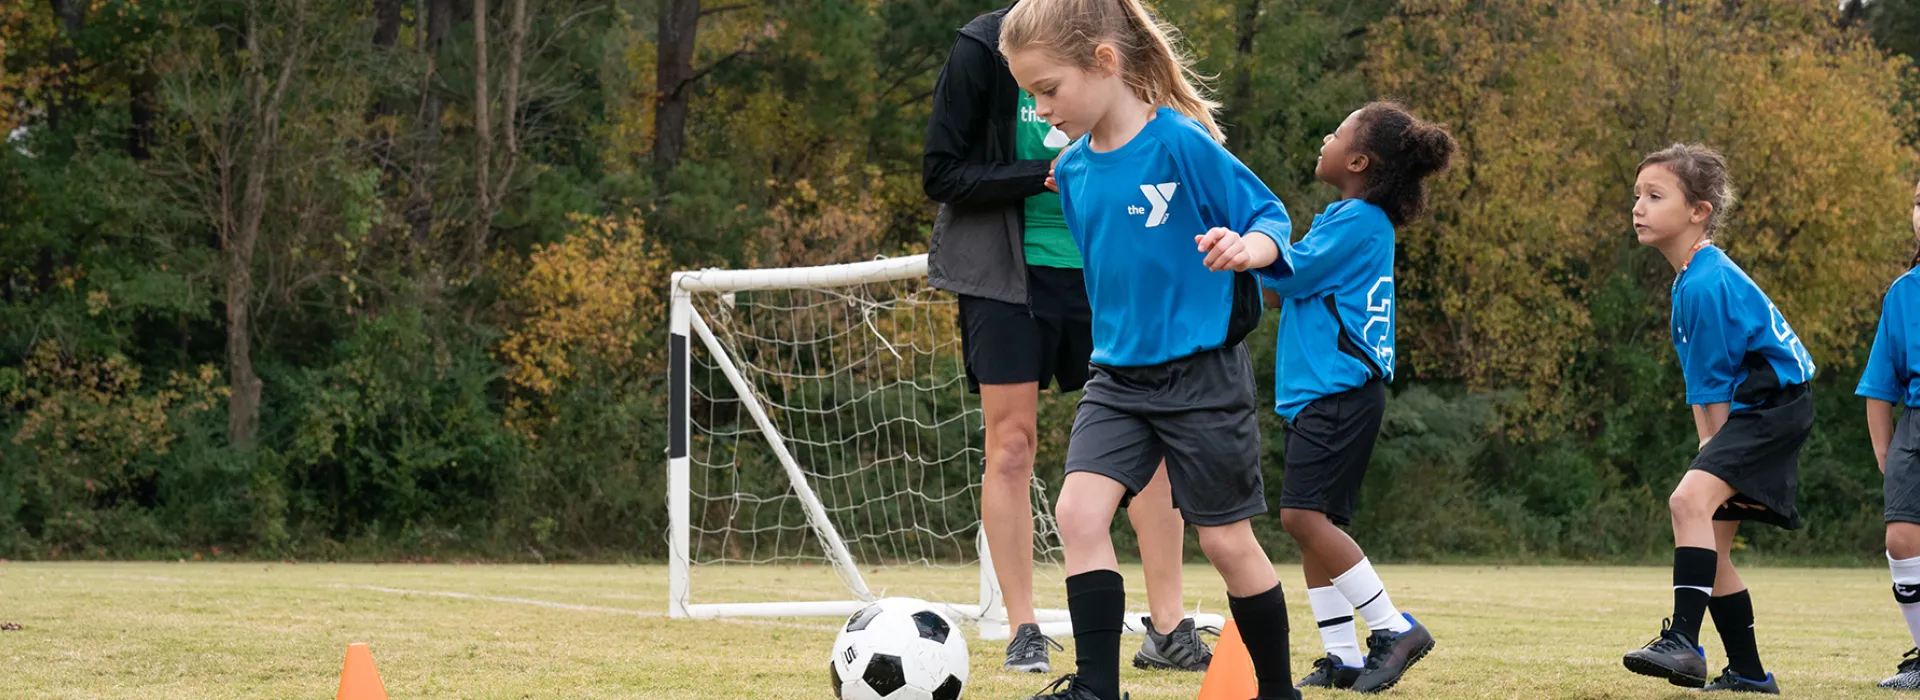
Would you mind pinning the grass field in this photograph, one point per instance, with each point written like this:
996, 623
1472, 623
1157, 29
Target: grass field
205, 630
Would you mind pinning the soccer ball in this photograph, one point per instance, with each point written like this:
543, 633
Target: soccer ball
899, 649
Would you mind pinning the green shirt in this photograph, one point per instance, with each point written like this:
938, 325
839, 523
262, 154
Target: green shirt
1048, 242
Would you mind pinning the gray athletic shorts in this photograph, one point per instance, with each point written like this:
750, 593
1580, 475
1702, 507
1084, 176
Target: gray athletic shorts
1198, 412
1902, 486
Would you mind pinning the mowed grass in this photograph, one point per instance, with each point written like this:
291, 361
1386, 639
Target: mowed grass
221, 630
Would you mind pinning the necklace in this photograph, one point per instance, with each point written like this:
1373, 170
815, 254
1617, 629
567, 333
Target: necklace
1704, 242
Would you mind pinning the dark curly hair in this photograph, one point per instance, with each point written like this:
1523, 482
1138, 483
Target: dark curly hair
1403, 151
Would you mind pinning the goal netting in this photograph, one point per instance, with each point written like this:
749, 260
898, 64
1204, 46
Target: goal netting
825, 451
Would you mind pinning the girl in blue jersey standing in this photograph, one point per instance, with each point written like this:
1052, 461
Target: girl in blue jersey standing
1334, 358
1747, 377
1000, 245
1170, 378
1893, 376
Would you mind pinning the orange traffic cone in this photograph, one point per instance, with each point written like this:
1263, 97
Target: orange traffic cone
358, 680
1230, 675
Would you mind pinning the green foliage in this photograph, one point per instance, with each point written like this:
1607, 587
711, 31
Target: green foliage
395, 436
1296, 79
1895, 25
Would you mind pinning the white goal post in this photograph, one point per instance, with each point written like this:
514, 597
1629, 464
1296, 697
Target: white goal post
819, 418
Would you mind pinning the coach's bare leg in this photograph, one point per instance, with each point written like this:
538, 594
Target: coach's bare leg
1006, 505
1162, 535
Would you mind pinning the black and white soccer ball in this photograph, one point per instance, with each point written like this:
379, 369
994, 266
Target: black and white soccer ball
899, 649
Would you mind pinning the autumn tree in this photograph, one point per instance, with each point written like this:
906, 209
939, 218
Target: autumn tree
1516, 281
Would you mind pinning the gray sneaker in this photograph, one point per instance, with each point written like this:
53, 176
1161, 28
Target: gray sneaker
1179, 650
1027, 651
1672, 656
1909, 676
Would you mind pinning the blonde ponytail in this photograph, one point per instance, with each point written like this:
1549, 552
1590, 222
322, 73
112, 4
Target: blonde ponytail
1152, 62
1161, 73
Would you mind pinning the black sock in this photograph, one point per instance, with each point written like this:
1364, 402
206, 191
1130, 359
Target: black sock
1733, 616
1262, 619
1097, 602
1693, 572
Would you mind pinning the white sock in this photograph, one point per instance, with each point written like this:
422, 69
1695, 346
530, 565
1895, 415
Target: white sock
1335, 616
1906, 592
1362, 588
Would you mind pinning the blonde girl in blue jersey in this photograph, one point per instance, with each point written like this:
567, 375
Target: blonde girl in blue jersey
1145, 179
1892, 377
1001, 247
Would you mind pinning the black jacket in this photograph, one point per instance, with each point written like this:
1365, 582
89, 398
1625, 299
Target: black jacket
979, 238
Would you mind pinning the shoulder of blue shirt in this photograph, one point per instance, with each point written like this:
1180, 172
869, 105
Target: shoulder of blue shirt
1175, 124
1901, 294
1906, 285
1072, 150
1351, 212
1715, 273
1169, 126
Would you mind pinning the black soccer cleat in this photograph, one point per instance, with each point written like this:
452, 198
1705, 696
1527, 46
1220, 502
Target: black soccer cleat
1908, 677
1389, 656
1328, 673
1293, 695
1179, 650
1068, 687
1672, 656
1027, 651
1733, 682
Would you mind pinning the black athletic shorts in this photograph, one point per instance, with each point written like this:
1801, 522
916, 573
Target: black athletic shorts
1198, 412
1758, 453
1046, 341
1902, 487
1329, 443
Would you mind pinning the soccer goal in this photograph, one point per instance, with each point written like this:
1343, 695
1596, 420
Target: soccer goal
825, 452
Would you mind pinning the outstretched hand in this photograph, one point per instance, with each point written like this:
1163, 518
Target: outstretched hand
1228, 250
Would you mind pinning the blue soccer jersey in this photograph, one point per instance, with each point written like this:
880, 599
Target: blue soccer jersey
1336, 317
1733, 343
1134, 212
1893, 368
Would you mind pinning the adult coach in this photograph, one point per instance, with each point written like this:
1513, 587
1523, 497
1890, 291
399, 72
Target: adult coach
1001, 243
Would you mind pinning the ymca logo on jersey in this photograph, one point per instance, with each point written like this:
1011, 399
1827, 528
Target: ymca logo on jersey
1379, 329
1159, 196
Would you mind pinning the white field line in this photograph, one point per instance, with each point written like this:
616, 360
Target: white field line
577, 607
499, 599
